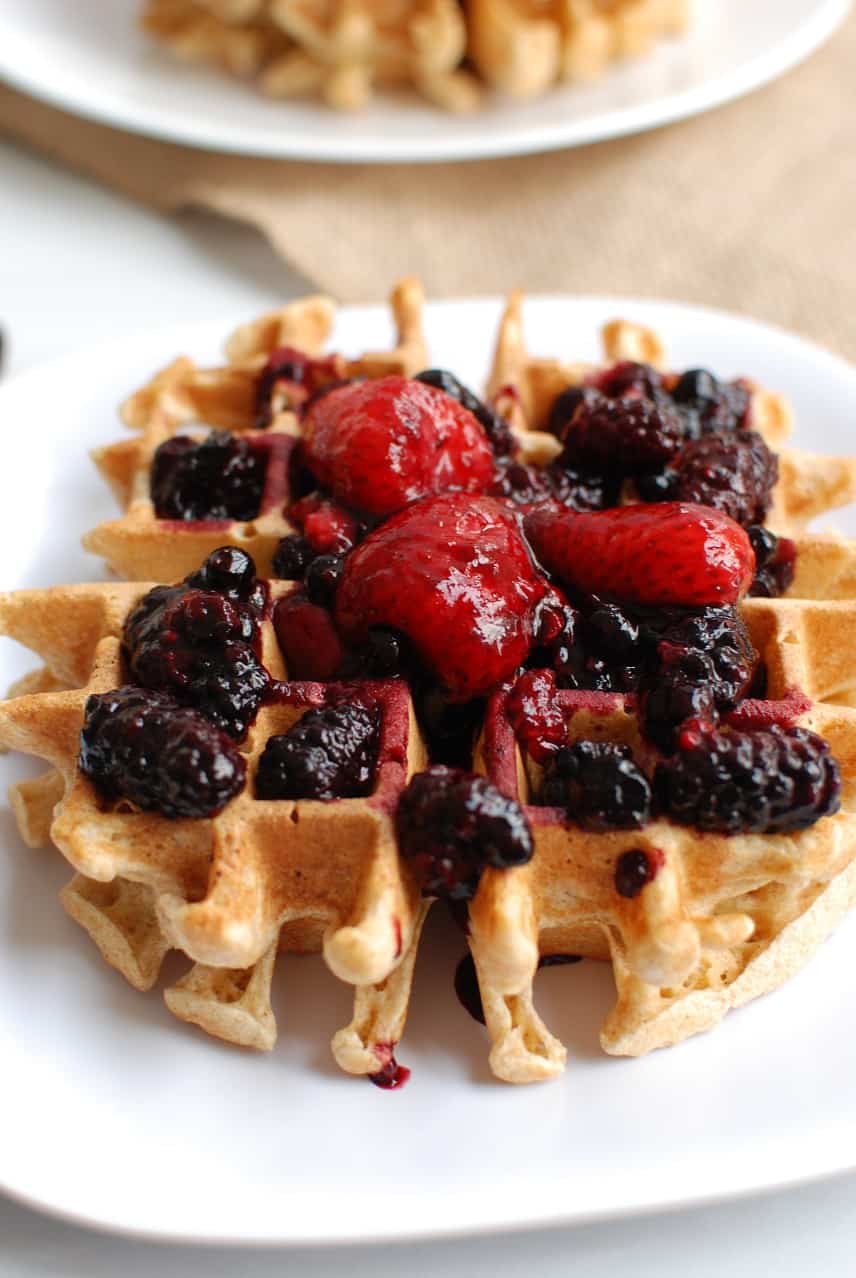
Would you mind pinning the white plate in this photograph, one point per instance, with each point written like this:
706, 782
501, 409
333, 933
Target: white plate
88, 58
120, 1116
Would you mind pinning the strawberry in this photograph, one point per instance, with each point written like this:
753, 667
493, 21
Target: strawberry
379, 445
670, 553
329, 529
308, 639
454, 574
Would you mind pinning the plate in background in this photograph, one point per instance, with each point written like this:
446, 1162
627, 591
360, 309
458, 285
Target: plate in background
89, 58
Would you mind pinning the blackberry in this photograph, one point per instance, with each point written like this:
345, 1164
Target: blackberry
765, 782
634, 870
197, 642
329, 753
292, 557
626, 436
707, 405
563, 408
322, 578
775, 562
685, 663
494, 425
223, 477
733, 473
145, 747
703, 663
531, 485
630, 378
599, 786
611, 630
678, 693
453, 825
598, 650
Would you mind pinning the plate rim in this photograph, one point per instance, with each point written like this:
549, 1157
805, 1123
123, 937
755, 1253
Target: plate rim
657, 1203
499, 1228
804, 40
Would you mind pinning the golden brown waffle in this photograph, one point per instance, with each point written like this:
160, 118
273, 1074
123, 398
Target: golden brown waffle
809, 484
339, 49
524, 47
141, 547
303, 875
724, 920
343, 49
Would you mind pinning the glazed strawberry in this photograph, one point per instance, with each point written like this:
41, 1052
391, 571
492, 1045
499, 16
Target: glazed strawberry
379, 445
453, 574
671, 553
307, 637
327, 527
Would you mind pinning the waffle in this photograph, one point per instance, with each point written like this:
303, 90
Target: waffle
724, 920
731, 917
343, 51
181, 397
226, 890
339, 51
524, 48
809, 484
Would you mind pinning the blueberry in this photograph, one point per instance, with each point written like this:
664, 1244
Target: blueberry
322, 578
221, 477
634, 870
292, 557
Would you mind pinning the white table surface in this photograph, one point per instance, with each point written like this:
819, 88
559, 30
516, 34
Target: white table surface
78, 265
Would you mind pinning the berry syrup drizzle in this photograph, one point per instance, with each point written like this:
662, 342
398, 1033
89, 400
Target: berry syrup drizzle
391, 1076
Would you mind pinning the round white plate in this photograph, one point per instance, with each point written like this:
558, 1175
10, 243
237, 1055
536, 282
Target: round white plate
88, 58
119, 1116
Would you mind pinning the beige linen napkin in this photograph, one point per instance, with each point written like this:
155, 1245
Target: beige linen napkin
751, 207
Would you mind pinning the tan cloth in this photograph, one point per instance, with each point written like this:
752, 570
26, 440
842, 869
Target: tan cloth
751, 207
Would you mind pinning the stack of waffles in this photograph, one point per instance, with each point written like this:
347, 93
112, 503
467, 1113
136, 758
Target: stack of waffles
711, 919
343, 49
